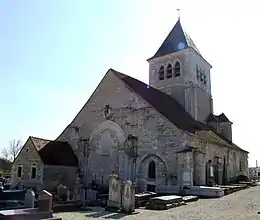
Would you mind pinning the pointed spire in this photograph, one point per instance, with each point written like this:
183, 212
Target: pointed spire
177, 40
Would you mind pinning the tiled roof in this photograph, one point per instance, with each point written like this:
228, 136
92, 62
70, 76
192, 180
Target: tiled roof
55, 152
176, 40
39, 143
168, 107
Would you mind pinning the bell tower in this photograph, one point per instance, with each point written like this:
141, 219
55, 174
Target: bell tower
178, 69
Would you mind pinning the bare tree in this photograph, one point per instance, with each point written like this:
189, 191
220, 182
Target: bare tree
14, 148
5, 154
12, 151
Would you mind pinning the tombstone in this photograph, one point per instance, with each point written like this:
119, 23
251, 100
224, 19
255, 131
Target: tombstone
45, 201
128, 197
164, 202
82, 193
63, 192
187, 179
114, 196
29, 199
69, 196
76, 194
210, 174
91, 195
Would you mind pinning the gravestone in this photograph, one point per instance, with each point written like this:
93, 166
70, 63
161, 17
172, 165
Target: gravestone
187, 179
142, 198
63, 192
128, 197
164, 202
91, 195
91, 198
114, 196
76, 195
210, 174
45, 201
29, 199
82, 192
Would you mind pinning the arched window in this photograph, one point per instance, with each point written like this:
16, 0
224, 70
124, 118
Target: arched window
169, 71
201, 75
161, 73
152, 170
33, 171
177, 69
198, 72
19, 171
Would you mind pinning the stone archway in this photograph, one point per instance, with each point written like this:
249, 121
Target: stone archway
149, 164
111, 126
105, 142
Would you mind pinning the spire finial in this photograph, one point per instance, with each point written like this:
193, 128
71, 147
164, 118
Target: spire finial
178, 13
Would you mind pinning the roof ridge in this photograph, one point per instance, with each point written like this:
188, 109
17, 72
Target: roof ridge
191, 125
43, 139
40, 138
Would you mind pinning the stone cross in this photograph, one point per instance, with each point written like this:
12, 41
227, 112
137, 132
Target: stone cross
29, 199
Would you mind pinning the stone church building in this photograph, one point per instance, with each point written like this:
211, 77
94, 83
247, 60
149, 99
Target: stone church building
152, 133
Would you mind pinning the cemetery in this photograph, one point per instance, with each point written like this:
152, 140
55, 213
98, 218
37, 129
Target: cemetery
122, 197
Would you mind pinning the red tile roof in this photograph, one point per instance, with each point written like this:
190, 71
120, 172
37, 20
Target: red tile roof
55, 152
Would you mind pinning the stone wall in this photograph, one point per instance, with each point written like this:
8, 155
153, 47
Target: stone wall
223, 157
158, 139
130, 114
27, 158
187, 89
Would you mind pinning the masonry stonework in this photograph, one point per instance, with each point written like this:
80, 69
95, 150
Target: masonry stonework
158, 139
27, 158
151, 134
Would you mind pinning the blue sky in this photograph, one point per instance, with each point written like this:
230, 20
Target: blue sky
54, 53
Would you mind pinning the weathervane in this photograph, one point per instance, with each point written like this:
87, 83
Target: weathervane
178, 13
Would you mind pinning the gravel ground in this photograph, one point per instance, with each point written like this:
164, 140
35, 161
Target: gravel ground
241, 205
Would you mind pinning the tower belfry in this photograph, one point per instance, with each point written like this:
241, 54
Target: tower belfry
178, 69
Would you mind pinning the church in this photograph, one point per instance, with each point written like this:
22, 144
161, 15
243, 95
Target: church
152, 134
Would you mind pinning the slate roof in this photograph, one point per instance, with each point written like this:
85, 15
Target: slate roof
55, 152
171, 43
168, 107
219, 118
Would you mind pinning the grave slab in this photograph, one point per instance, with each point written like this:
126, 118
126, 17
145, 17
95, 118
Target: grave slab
187, 199
164, 202
142, 198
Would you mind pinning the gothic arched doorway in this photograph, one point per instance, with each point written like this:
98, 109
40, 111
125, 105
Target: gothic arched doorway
152, 171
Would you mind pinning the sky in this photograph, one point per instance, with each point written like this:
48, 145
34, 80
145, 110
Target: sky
54, 53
